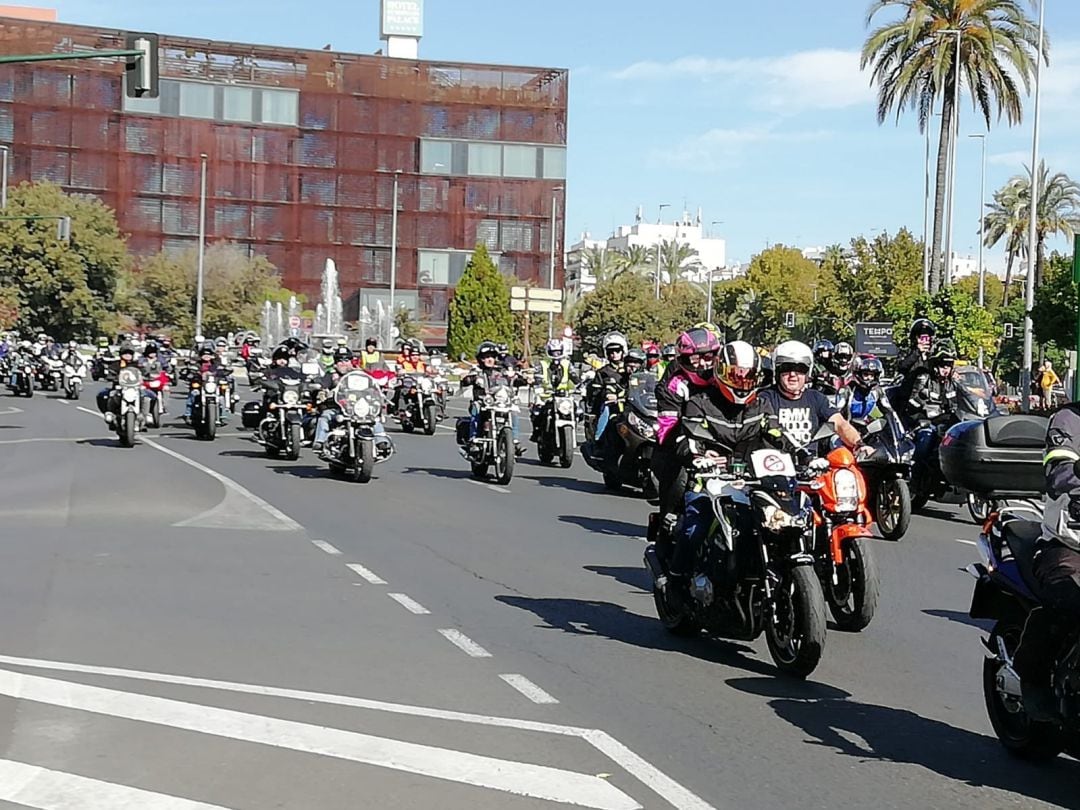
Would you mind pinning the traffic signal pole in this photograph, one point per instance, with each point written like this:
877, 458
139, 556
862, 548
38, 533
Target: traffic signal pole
1076, 281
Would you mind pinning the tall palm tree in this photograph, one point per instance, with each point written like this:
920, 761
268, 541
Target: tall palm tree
1057, 210
1006, 218
602, 263
675, 259
913, 63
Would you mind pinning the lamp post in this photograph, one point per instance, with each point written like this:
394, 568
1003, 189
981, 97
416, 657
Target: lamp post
712, 270
1029, 297
659, 214
926, 207
393, 259
551, 270
3, 176
982, 229
954, 135
202, 246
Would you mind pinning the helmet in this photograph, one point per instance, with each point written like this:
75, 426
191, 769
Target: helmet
487, 349
73, 344
126, 348
207, 348
281, 353
406, 347
921, 326
103, 342
503, 349
712, 327
651, 349
736, 371
843, 355
554, 349
150, 348
221, 343
696, 342
668, 352
327, 345
792, 353
199, 339
635, 356
615, 340
343, 354
944, 353
823, 350
342, 341
371, 342
866, 371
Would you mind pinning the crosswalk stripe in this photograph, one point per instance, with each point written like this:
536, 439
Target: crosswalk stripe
44, 789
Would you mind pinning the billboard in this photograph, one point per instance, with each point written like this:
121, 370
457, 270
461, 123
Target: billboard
875, 338
401, 18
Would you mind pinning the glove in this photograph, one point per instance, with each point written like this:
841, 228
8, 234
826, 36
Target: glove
1074, 508
863, 452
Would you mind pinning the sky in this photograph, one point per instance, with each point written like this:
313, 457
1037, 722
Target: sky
755, 112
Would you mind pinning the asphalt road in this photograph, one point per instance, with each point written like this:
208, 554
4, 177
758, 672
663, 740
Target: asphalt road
187, 624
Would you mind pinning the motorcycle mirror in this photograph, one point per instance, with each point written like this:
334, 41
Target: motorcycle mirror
876, 426
827, 430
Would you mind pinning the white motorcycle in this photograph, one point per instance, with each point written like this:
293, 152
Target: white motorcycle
73, 373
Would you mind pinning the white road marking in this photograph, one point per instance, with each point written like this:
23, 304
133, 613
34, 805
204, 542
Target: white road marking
528, 689
10, 410
61, 401
322, 545
366, 573
660, 783
32, 786
492, 487
967, 542
211, 518
409, 604
50, 439
464, 643
98, 414
517, 778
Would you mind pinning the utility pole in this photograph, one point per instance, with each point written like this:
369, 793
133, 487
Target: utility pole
1029, 298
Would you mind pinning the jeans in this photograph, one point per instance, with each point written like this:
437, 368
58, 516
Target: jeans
322, 427
223, 415
474, 422
697, 517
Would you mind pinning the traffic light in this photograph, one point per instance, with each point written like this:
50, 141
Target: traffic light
142, 70
63, 229
1008, 330
789, 320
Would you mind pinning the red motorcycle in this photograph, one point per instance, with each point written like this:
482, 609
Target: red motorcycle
155, 388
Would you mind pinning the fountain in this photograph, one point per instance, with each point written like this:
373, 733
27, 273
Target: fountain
329, 318
279, 324
266, 333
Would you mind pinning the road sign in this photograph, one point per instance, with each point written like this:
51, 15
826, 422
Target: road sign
294, 321
875, 337
533, 305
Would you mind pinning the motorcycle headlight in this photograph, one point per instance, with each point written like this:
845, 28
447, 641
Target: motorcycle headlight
846, 486
489, 400
210, 386
425, 385
290, 397
564, 406
502, 397
362, 408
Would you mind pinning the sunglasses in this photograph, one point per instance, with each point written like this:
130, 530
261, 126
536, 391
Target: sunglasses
793, 368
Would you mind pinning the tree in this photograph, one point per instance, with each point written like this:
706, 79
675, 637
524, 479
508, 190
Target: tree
1053, 315
782, 280
913, 63
480, 308
1004, 219
634, 259
602, 263
1057, 210
957, 315
675, 259
67, 289
627, 304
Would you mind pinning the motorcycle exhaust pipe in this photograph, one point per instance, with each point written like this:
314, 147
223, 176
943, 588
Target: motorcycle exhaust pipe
652, 562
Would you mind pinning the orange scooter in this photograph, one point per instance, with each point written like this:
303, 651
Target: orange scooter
844, 556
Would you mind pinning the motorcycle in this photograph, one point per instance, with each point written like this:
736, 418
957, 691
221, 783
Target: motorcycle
493, 444
281, 429
887, 472
635, 426
755, 571
350, 445
124, 404
22, 378
49, 374
73, 378
417, 404
153, 402
204, 405
557, 429
1007, 592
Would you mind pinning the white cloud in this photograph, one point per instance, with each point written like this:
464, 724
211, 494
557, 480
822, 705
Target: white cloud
825, 79
721, 149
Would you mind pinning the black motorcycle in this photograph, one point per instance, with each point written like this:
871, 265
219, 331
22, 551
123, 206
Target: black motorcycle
280, 431
632, 429
205, 393
755, 571
21, 382
887, 472
350, 446
493, 444
418, 405
555, 425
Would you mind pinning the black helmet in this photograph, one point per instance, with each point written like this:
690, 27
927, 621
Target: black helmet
281, 353
371, 342
921, 326
150, 348
944, 353
823, 349
343, 354
207, 348
126, 348
487, 349
635, 356
668, 352
866, 371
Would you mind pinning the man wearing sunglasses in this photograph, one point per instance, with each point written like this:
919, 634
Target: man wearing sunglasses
920, 345
606, 388
801, 410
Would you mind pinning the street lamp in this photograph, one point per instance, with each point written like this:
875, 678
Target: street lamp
202, 246
982, 233
712, 270
659, 214
926, 206
953, 137
551, 272
1029, 298
393, 258
3, 176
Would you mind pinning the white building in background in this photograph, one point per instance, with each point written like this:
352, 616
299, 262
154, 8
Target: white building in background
963, 266
711, 251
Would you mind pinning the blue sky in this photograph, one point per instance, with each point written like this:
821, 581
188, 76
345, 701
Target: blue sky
756, 112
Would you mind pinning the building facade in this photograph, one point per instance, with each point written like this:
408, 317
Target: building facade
303, 152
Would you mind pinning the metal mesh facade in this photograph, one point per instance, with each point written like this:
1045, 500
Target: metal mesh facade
302, 150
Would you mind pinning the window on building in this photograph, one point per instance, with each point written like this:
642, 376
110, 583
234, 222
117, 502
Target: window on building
433, 268
280, 107
554, 163
485, 159
519, 161
487, 231
435, 156
238, 104
516, 237
196, 100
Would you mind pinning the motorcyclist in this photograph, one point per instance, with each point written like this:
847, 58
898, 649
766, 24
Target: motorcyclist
20, 355
250, 344
326, 356
930, 387
652, 358
126, 358
635, 362
697, 350
843, 357
822, 377
487, 373
920, 344
207, 362
556, 374
739, 421
409, 360
70, 356
371, 354
329, 406
866, 399
801, 410
667, 357
605, 389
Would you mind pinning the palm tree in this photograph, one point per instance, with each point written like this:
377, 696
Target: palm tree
1006, 218
913, 63
1057, 211
675, 259
602, 263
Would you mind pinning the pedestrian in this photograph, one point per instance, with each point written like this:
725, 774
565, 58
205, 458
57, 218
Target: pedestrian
1047, 380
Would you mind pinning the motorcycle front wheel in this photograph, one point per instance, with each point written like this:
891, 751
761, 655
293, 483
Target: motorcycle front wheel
979, 508
853, 597
210, 428
504, 457
678, 623
430, 421
892, 508
566, 447
796, 631
127, 430
293, 452
364, 462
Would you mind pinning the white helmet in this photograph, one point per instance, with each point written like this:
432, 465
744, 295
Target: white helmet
554, 348
615, 339
793, 352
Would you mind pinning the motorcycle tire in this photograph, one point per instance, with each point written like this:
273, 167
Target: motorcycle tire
1022, 737
28, 390
365, 462
566, 447
127, 430
210, 428
479, 471
73, 392
892, 519
504, 458
677, 623
979, 508
154, 419
271, 450
920, 493
612, 482
293, 452
796, 637
407, 426
853, 599
430, 422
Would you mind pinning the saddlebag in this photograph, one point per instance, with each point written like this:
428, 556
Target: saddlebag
251, 415
996, 457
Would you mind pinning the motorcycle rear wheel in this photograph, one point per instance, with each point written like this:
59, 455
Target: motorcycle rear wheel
1022, 737
979, 508
892, 508
853, 599
796, 632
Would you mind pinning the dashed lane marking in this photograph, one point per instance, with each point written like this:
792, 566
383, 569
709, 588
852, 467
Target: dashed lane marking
528, 689
967, 542
409, 604
366, 573
464, 643
322, 545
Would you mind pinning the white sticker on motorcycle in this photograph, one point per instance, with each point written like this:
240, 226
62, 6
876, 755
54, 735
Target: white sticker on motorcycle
771, 462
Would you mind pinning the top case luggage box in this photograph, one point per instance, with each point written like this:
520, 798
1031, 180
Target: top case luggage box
1000, 456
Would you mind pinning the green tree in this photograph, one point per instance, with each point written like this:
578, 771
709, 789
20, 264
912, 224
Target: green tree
627, 304
67, 289
957, 315
1004, 219
1057, 210
782, 280
1053, 315
480, 308
913, 64
676, 258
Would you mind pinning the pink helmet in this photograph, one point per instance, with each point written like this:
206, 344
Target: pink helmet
696, 342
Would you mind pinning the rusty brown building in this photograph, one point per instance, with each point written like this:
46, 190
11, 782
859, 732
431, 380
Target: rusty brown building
302, 149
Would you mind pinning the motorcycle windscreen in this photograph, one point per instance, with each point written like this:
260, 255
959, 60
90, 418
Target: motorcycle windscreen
641, 392
352, 386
